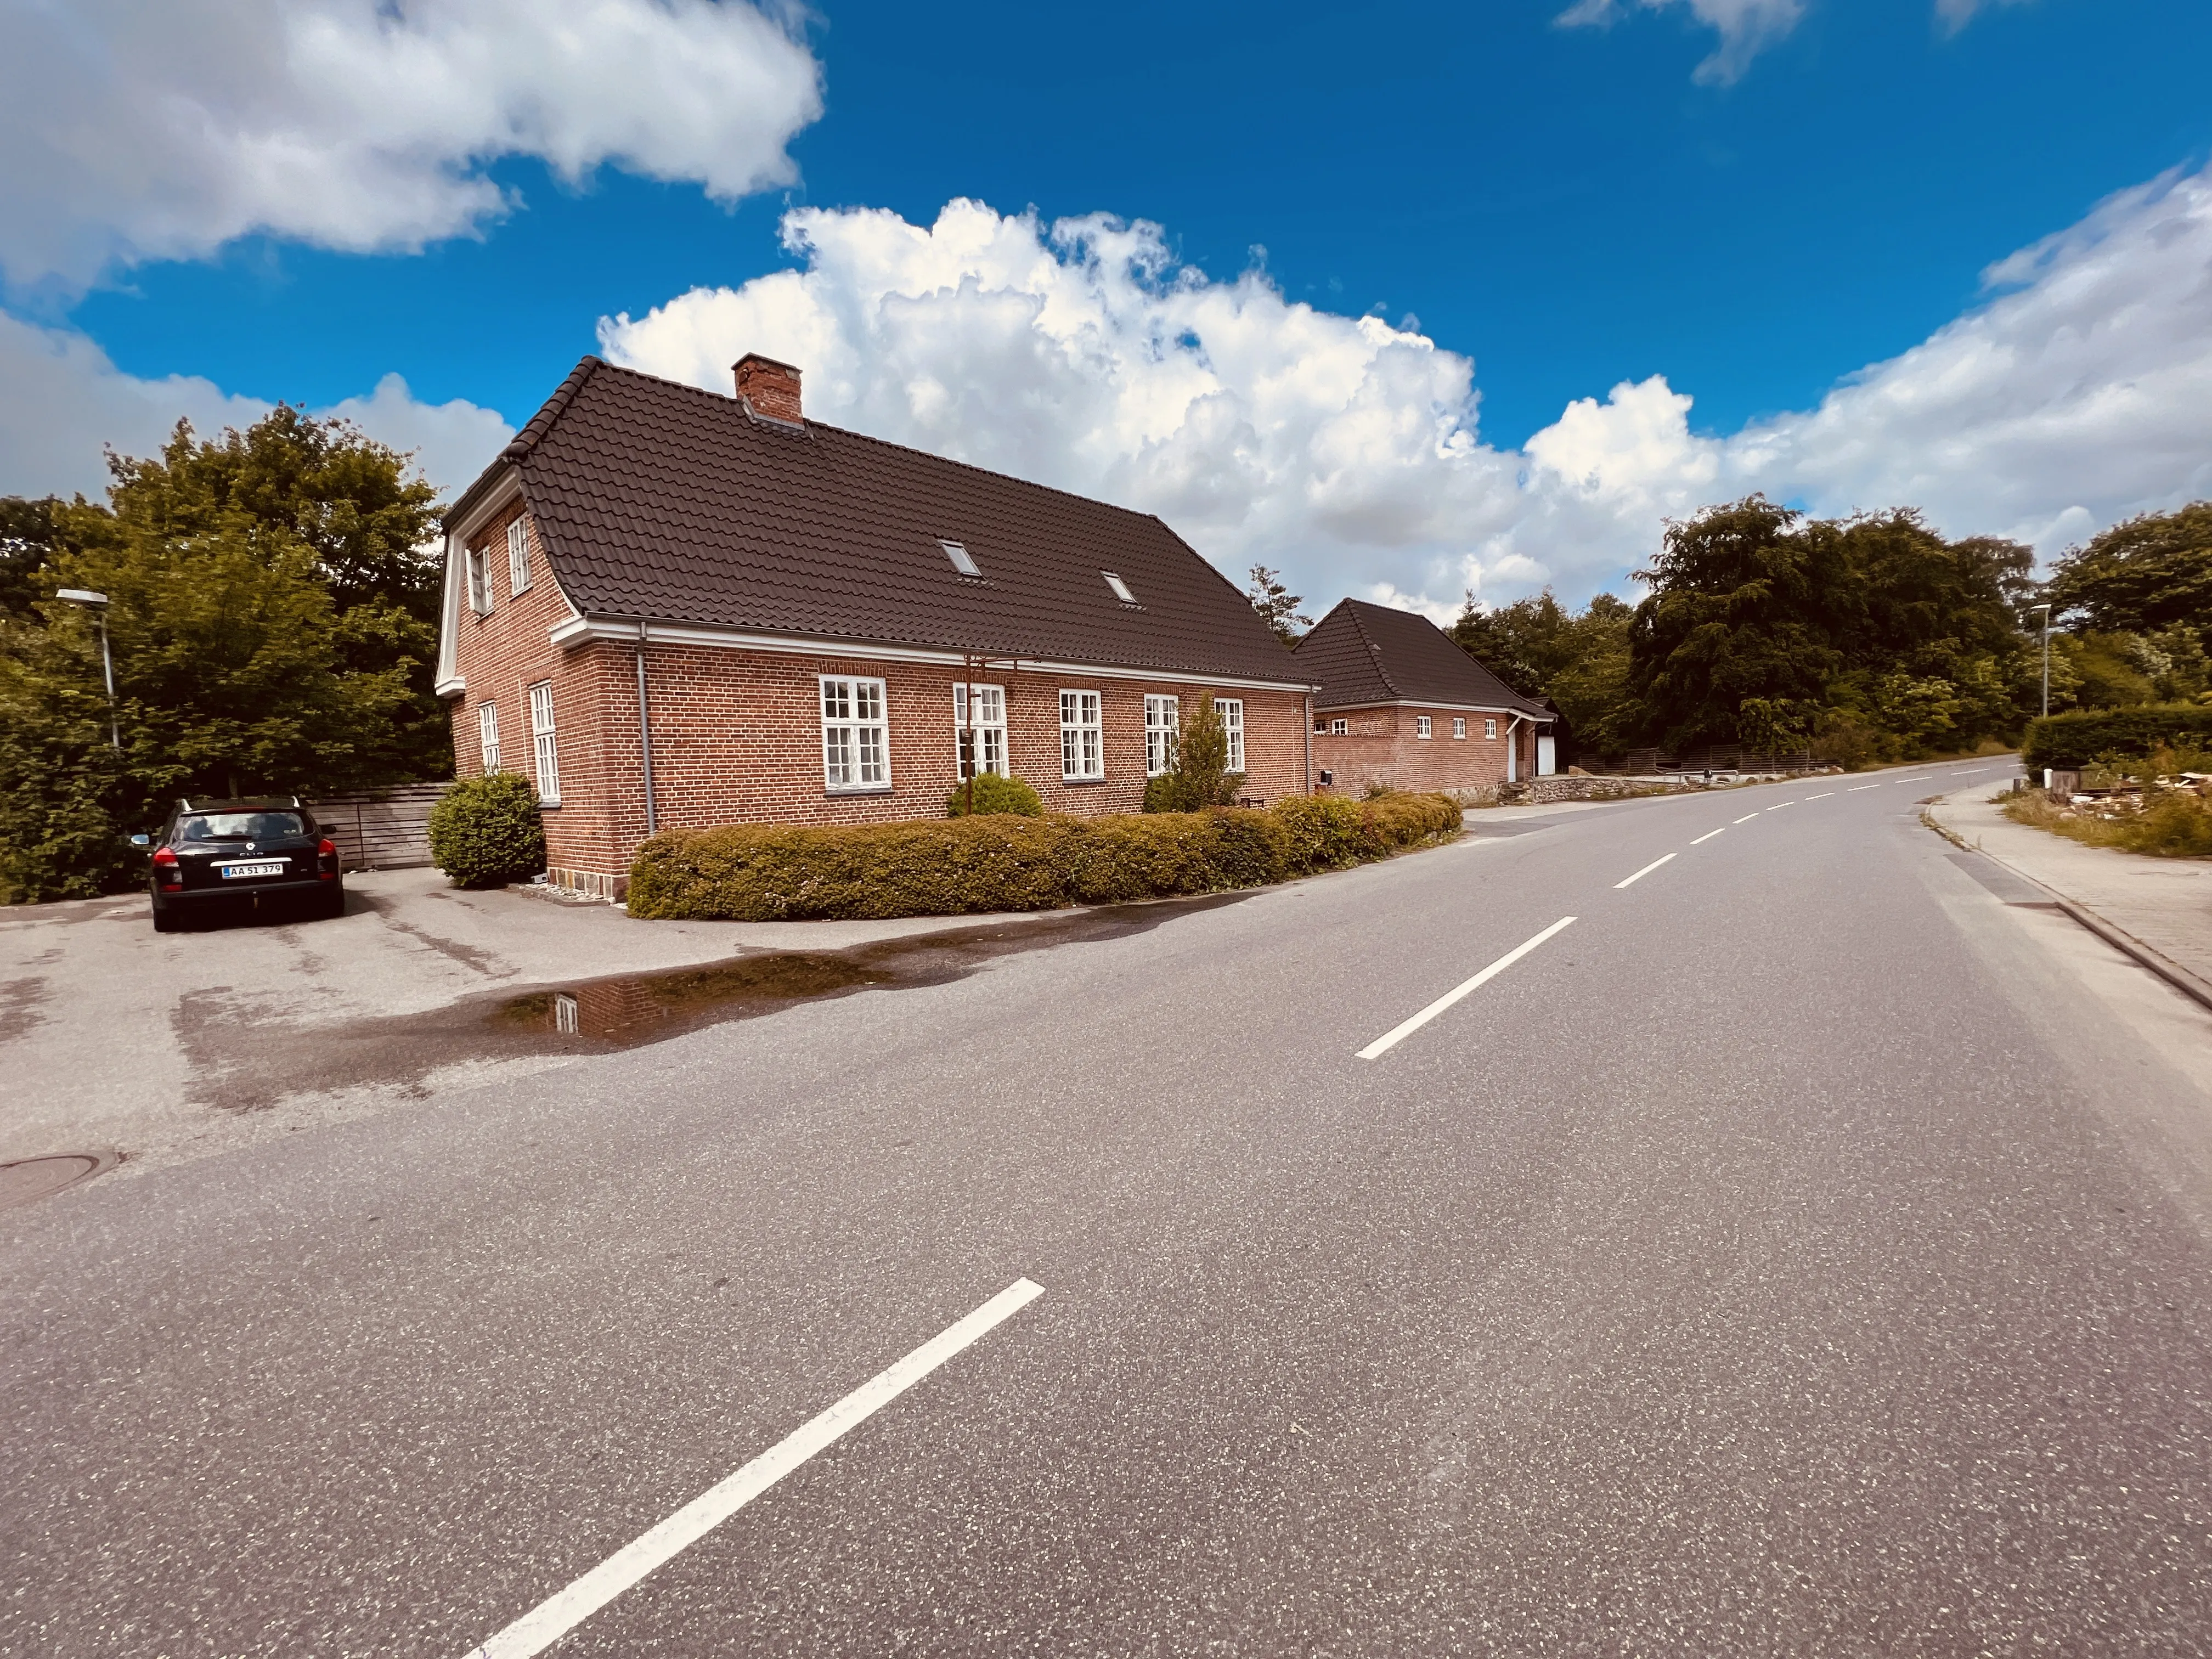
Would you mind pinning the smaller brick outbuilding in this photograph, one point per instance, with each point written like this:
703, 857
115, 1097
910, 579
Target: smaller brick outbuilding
1402, 705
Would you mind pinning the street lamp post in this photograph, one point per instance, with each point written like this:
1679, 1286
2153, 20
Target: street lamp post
97, 604
2045, 610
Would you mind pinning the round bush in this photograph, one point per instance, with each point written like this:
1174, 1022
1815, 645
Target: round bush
485, 832
995, 794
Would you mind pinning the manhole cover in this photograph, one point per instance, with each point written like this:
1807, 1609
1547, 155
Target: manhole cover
34, 1178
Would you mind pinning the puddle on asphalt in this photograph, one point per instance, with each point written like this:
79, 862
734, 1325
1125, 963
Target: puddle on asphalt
242, 1065
625, 1011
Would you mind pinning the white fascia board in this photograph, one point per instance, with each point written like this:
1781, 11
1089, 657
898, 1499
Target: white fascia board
1412, 702
580, 629
494, 501
448, 683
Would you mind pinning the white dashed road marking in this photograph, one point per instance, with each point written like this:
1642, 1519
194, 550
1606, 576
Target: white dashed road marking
1398, 1034
1823, 795
1710, 833
1644, 871
554, 1617
1856, 787
1778, 805
1746, 818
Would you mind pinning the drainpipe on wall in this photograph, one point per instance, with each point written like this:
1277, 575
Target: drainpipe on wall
1512, 749
645, 736
1308, 702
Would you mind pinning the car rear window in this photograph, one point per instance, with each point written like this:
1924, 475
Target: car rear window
240, 826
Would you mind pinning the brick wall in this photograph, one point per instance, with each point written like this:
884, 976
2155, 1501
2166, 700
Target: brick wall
1382, 746
737, 735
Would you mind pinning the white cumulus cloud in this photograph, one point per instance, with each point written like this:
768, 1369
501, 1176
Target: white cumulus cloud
1347, 452
1745, 26
66, 400
133, 129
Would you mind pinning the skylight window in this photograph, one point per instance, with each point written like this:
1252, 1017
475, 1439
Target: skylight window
1120, 588
962, 560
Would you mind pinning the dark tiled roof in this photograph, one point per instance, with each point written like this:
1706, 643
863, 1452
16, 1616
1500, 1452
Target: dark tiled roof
1368, 654
662, 501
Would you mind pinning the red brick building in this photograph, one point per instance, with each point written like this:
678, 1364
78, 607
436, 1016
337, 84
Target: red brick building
669, 607
1400, 704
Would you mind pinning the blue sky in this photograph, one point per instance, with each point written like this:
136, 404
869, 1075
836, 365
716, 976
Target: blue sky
1570, 207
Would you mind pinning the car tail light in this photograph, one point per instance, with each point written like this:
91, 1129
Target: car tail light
167, 869
327, 854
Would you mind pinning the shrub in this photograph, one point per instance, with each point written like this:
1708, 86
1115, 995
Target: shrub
2086, 735
1200, 776
485, 832
994, 794
961, 866
2178, 824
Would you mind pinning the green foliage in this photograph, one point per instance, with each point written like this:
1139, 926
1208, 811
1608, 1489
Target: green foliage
2088, 735
486, 831
994, 794
26, 542
2176, 824
1277, 605
2145, 576
273, 629
966, 867
1200, 776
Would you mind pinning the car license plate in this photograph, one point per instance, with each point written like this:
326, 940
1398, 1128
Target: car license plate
233, 871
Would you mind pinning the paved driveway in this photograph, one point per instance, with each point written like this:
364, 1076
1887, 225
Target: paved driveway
117, 1039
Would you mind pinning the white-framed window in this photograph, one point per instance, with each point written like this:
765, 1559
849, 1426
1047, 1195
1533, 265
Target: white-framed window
541, 754
1162, 719
479, 570
979, 719
1459, 729
1120, 588
1338, 728
518, 558
856, 750
1423, 726
1231, 710
488, 735
1082, 738
1490, 730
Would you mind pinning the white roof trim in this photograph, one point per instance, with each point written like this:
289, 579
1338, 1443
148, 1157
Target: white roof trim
1414, 702
581, 630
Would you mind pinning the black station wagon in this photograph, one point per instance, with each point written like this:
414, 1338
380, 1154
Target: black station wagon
215, 855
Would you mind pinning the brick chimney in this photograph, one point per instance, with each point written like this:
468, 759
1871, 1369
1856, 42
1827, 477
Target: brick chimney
768, 388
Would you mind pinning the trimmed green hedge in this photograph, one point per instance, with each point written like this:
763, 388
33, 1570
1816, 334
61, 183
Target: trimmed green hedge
2091, 734
486, 832
961, 866
994, 793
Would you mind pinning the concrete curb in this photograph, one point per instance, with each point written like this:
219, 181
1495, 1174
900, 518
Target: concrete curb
2195, 988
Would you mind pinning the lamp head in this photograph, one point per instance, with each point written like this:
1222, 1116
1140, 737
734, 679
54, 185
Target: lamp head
81, 596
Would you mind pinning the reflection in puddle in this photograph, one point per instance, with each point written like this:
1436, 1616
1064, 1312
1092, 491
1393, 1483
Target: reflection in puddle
248, 1065
642, 1008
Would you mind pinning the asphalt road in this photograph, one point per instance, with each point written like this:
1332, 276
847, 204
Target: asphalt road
1800, 1252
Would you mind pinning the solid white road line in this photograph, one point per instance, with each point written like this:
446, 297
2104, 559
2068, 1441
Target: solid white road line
1856, 787
554, 1617
1823, 795
1710, 833
1746, 818
1397, 1034
1644, 871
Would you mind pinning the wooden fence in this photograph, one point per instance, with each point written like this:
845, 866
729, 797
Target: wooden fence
380, 829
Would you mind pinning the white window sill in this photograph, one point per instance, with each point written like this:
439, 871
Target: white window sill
857, 789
